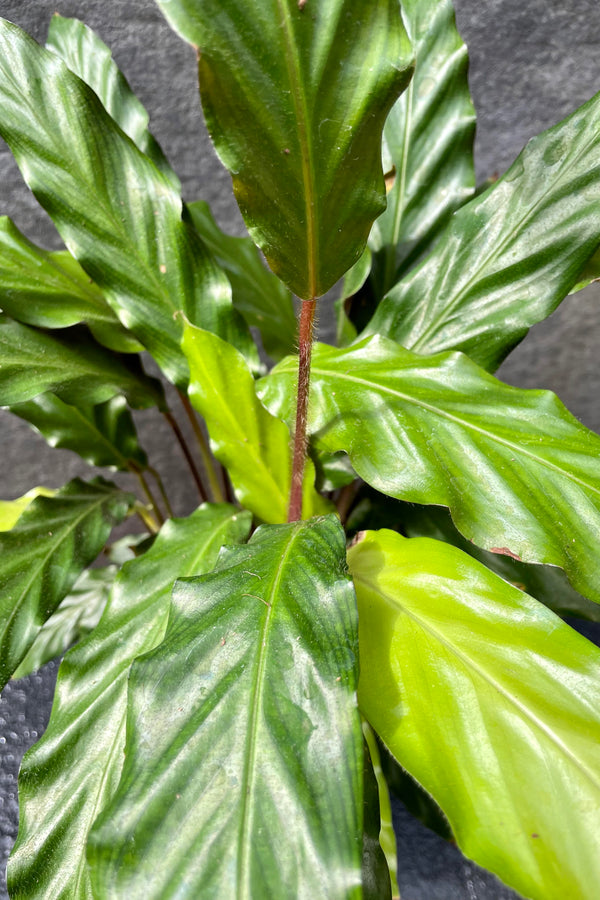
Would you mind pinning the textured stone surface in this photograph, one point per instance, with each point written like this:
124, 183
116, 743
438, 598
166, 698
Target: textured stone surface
532, 63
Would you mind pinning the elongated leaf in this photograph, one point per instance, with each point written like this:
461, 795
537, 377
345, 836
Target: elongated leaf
429, 138
492, 703
589, 273
250, 701
91, 60
76, 616
252, 444
42, 556
519, 473
87, 725
510, 256
295, 97
12, 510
387, 836
73, 367
117, 213
261, 298
53, 291
103, 435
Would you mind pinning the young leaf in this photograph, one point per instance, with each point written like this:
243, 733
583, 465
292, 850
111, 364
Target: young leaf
509, 256
491, 702
52, 290
91, 60
43, 555
257, 771
103, 435
73, 367
295, 97
429, 138
117, 213
387, 836
12, 510
87, 725
441, 430
261, 298
75, 617
252, 444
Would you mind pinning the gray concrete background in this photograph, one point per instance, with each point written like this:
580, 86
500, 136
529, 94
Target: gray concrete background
532, 62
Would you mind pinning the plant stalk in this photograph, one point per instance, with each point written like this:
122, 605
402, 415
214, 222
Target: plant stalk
186, 452
157, 514
305, 338
208, 459
163, 493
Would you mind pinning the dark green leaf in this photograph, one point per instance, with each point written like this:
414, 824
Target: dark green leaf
52, 290
387, 836
75, 617
252, 444
103, 435
72, 366
91, 60
87, 725
259, 296
429, 140
117, 213
491, 702
519, 473
260, 772
12, 510
295, 97
510, 256
43, 555
589, 273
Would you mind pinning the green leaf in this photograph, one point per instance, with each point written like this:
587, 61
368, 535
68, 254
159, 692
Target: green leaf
252, 444
492, 703
257, 294
118, 214
295, 96
509, 256
268, 768
589, 273
12, 510
76, 616
519, 473
87, 725
429, 139
103, 435
42, 556
52, 290
91, 60
72, 366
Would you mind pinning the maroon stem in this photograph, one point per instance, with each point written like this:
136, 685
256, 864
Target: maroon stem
186, 452
307, 318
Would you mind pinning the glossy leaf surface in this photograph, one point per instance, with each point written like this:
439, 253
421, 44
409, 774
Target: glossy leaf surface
73, 367
76, 616
87, 725
259, 296
268, 768
103, 435
118, 214
518, 472
12, 510
91, 60
252, 444
509, 256
295, 97
492, 703
429, 141
52, 290
43, 555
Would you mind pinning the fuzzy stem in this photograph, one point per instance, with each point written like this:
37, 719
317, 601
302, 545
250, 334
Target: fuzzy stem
186, 452
208, 459
305, 337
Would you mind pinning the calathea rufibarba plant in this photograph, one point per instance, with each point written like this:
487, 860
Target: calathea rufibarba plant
388, 537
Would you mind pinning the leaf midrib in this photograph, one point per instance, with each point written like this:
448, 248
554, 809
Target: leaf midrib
485, 676
518, 448
247, 786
